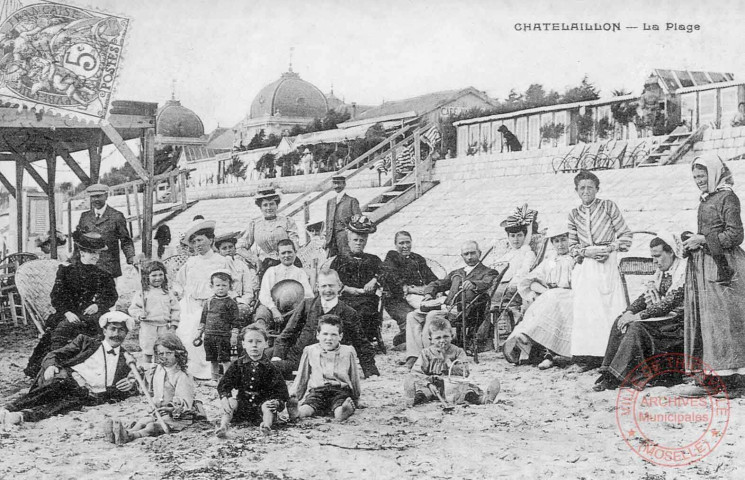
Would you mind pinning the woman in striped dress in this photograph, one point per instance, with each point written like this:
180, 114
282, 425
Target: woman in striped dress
597, 231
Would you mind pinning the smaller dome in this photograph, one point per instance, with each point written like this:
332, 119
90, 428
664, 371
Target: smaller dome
175, 120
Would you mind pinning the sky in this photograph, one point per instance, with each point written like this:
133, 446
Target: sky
222, 52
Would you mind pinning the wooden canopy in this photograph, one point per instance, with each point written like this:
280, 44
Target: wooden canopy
30, 136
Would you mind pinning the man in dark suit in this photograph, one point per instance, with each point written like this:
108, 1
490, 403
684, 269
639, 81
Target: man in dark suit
474, 278
112, 226
339, 210
85, 372
301, 329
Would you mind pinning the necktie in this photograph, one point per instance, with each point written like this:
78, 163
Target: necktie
111, 352
98, 216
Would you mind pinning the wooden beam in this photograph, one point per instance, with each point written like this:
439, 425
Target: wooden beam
94, 155
19, 206
12, 118
148, 151
20, 159
6, 183
51, 174
123, 148
76, 169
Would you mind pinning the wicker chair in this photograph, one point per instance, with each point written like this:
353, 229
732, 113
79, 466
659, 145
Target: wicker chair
34, 281
174, 263
436, 268
313, 256
635, 266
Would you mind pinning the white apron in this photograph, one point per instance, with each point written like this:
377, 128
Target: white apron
598, 300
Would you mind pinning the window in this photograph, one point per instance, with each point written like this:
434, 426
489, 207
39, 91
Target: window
520, 130
728, 102
561, 117
496, 137
546, 120
707, 104
485, 138
689, 110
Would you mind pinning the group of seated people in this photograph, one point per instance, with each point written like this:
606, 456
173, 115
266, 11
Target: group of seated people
325, 332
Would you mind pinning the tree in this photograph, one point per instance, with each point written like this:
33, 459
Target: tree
552, 132
236, 168
535, 96
584, 127
582, 93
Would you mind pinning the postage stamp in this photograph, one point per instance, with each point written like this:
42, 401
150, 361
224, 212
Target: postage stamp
663, 427
61, 57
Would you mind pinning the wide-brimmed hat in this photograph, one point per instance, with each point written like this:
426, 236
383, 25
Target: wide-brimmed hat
61, 238
264, 193
361, 224
556, 230
89, 241
196, 226
231, 237
97, 189
116, 317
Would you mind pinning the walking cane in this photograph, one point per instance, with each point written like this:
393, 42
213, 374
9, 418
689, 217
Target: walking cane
132, 363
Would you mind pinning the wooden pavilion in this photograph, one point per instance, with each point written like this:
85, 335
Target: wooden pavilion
28, 136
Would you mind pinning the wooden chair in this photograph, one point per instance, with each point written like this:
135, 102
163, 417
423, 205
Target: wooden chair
635, 266
35, 280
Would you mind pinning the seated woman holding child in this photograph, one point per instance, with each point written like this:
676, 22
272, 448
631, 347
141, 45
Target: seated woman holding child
548, 318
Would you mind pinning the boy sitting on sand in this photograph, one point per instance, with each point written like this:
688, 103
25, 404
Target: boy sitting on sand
328, 379
426, 380
262, 392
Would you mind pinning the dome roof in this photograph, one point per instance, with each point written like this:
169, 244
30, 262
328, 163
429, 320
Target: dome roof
174, 120
289, 97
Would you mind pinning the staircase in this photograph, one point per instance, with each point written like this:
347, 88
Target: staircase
401, 193
674, 147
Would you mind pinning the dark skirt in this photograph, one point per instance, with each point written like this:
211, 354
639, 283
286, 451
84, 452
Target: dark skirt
715, 315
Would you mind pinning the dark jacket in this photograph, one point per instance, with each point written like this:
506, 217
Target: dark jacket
77, 286
77, 352
357, 272
481, 276
256, 382
220, 316
301, 330
719, 221
337, 216
399, 271
113, 228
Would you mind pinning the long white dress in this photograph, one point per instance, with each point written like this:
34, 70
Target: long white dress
193, 285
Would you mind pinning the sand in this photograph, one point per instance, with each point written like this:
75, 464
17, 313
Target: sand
545, 424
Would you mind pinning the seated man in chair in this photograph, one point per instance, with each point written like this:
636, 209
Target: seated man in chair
472, 279
653, 323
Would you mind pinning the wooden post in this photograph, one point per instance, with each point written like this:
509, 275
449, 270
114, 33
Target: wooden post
393, 165
129, 209
182, 189
148, 147
417, 159
94, 154
19, 204
69, 226
306, 219
51, 174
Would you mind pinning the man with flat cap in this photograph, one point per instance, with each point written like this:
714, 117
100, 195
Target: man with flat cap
85, 372
112, 226
339, 210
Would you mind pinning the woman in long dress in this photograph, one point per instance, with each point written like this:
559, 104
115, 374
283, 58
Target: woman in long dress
714, 300
193, 287
597, 231
548, 318
266, 232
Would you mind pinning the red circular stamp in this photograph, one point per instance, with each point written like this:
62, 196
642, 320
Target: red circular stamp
663, 427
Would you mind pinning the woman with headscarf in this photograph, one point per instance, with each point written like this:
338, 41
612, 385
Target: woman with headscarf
265, 233
597, 231
714, 303
652, 324
193, 287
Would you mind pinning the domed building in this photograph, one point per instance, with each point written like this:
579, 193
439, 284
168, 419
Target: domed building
281, 105
177, 125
